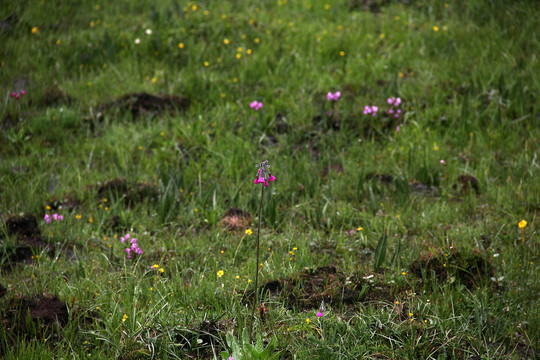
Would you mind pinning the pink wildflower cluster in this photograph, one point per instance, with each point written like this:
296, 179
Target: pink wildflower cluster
55, 217
371, 110
394, 103
263, 174
256, 105
134, 246
17, 95
333, 97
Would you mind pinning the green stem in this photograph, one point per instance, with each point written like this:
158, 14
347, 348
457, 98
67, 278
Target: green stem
256, 297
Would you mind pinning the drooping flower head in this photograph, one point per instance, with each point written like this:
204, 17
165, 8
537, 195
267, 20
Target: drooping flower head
263, 174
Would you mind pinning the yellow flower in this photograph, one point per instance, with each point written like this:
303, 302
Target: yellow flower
307, 320
220, 273
435, 147
155, 266
360, 228
34, 30
522, 224
181, 45
238, 55
124, 318
161, 270
248, 51
435, 28
249, 232
226, 41
342, 53
194, 7
257, 40
295, 248
206, 63
240, 49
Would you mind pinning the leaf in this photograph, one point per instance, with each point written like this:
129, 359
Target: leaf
380, 252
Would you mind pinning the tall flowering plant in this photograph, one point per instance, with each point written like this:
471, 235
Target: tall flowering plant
265, 177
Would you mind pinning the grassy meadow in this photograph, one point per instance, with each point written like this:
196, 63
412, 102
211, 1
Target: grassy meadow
403, 222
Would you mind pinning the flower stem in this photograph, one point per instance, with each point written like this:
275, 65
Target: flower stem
522, 235
256, 297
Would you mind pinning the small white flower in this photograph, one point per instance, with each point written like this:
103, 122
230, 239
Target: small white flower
495, 255
148, 31
137, 41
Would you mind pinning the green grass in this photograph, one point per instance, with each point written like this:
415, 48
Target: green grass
456, 281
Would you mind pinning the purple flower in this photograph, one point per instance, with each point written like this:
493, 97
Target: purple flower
47, 218
128, 250
55, 216
334, 97
256, 105
397, 128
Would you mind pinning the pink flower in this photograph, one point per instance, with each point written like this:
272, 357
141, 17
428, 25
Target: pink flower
13, 94
442, 162
256, 105
133, 241
371, 110
319, 314
394, 101
397, 128
60, 217
128, 250
334, 97
263, 174
47, 218
55, 216
23, 92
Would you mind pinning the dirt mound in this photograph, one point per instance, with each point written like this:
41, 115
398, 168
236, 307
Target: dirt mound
469, 269
143, 103
132, 194
33, 318
25, 227
309, 289
236, 219
28, 240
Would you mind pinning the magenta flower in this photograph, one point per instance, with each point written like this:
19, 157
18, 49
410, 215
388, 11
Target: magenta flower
124, 238
371, 110
256, 105
13, 94
47, 218
334, 97
263, 174
23, 92
128, 250
393, 101
319, 314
